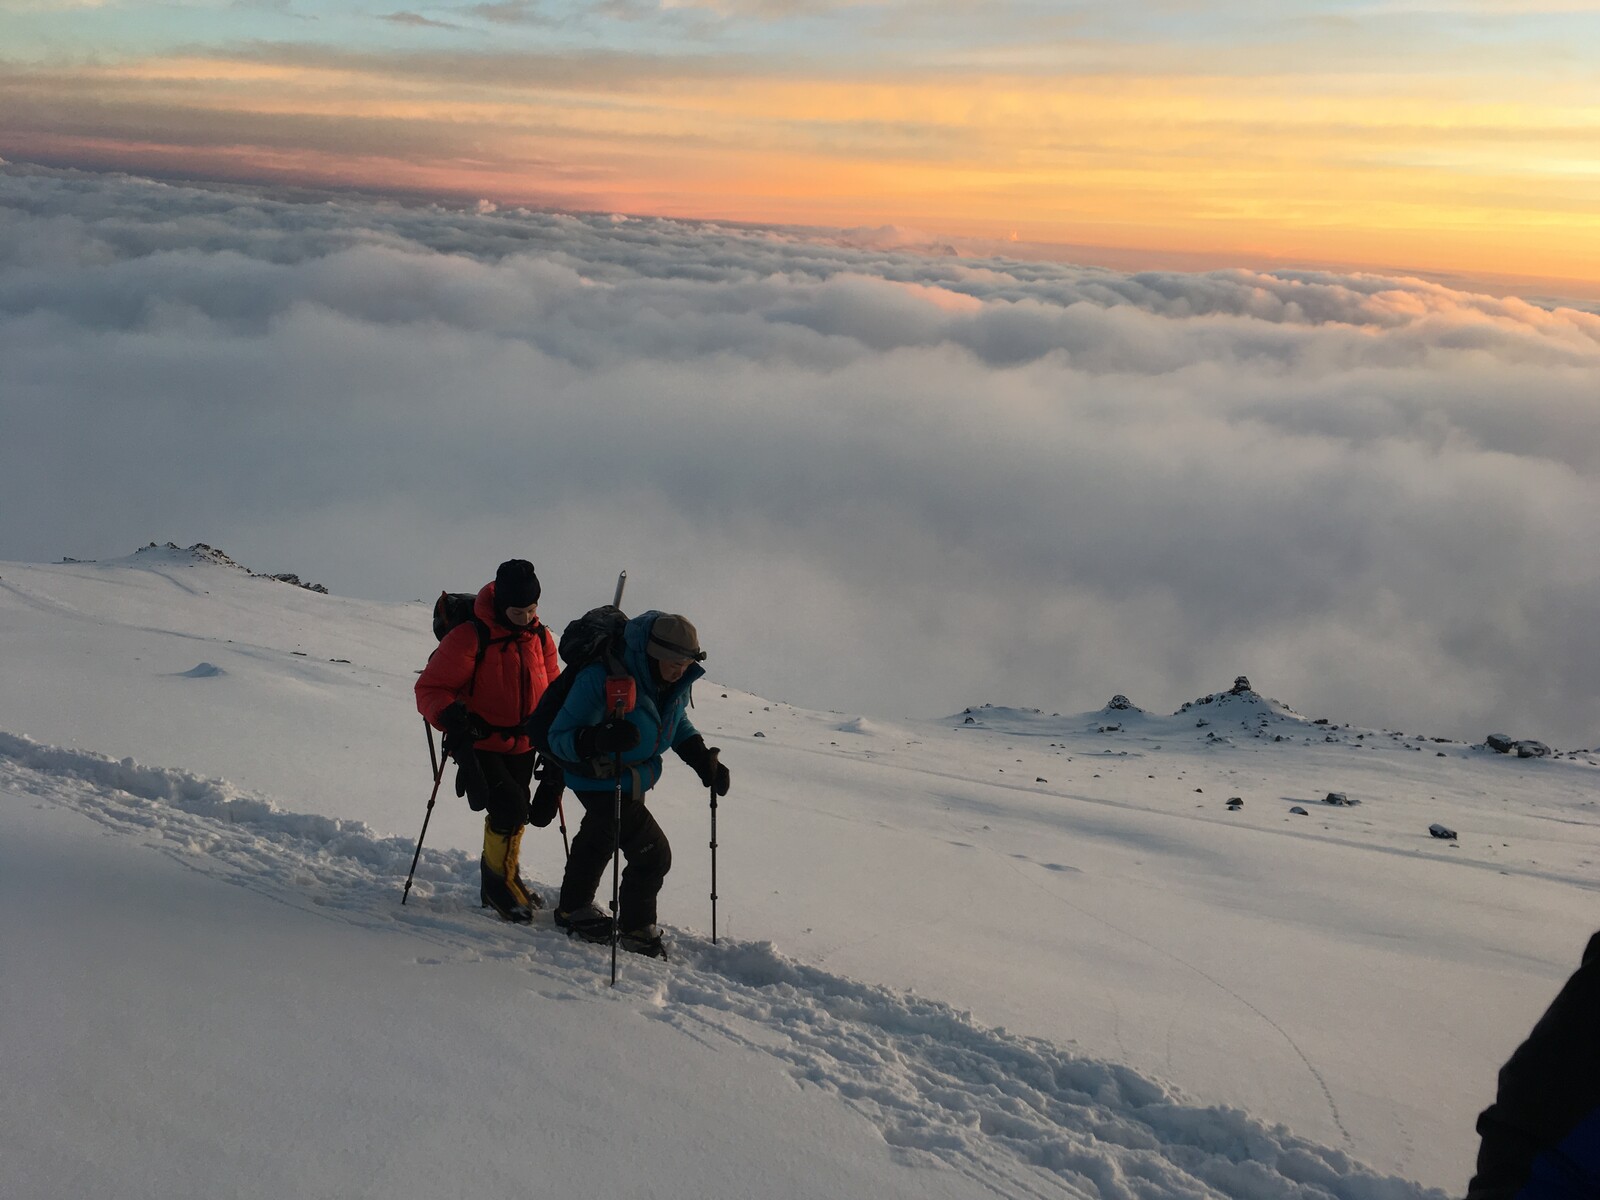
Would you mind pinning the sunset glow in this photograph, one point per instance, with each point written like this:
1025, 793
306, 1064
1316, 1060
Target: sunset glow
1449, 138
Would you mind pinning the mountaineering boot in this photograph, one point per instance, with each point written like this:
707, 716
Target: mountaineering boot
645, 940
499, 888
588, 923
519, 885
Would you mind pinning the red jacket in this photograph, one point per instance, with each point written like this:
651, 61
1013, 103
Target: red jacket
518, 664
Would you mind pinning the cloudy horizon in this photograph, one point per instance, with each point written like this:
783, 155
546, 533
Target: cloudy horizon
881, 481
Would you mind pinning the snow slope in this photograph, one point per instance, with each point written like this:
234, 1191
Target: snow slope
1003, 953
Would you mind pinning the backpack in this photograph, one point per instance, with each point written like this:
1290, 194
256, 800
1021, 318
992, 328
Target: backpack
594, 637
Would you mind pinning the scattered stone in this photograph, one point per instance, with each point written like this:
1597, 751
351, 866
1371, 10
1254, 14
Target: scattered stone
1532, 749
1340, 798
1040, 779
1299, 812
1235, 802
1441, 831
759, 734
1500, 743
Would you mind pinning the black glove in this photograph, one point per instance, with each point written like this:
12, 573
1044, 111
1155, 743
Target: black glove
462, 726
547, 796
704, 763
608, 737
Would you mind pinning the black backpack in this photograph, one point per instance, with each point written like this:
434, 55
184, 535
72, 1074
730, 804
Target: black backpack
594, 637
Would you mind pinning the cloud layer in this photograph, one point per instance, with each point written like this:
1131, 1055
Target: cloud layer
879, 481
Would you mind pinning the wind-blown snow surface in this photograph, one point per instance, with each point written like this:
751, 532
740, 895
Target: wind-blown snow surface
1008, 954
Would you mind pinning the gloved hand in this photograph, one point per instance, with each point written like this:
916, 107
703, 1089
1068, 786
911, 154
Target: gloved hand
547, 796
704, 763
461, 725
608, 737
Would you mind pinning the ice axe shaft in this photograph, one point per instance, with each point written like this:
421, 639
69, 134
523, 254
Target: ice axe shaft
620, 698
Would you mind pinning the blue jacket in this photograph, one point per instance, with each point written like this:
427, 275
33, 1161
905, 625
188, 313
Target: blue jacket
660, 715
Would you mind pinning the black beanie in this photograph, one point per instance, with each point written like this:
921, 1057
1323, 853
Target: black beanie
515, 585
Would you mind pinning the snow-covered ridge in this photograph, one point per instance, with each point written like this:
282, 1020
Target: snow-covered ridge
174, 554
1000, 1109
1239, 711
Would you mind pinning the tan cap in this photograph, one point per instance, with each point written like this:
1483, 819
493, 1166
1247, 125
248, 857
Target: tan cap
672, 636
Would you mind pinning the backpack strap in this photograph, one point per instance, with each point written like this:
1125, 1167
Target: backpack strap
485, 640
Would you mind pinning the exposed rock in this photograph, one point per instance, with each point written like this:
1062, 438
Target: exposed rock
289, 578
1441, 831
1299, 812
1522, 748
1120, 703
1340, 798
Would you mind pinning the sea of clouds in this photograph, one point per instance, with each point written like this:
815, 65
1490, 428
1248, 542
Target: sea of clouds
879, 480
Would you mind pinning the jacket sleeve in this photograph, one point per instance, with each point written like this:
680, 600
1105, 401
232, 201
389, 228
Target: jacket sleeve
685, 727
448, 672
585, 706
1541, 1136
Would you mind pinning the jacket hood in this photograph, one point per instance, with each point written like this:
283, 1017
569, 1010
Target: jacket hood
483, 608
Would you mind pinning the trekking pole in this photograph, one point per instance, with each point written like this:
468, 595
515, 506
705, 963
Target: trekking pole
620, 698
438, 774
561, 811
616, 869
713, 789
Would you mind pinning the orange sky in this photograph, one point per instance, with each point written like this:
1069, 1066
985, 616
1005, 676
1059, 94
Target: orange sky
1465, 167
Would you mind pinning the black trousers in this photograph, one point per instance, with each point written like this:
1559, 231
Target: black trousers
497, 784
644, 847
